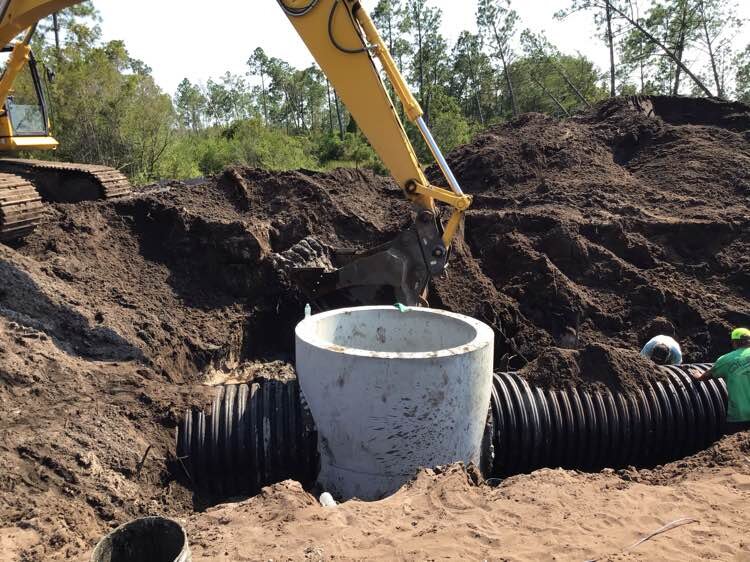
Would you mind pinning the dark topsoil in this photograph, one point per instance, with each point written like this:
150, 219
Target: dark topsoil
587, 237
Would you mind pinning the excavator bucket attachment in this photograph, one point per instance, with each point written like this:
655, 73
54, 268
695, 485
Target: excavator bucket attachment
384, 275
343, 40
397, 272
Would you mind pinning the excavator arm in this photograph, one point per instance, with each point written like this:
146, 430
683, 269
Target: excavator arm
17, 16
346, 45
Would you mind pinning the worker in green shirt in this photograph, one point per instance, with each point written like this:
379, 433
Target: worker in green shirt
734, 368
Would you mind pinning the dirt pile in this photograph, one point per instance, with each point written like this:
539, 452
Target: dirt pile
111, 318
602, 230
548, 515
732, 451
588, 236
84, 444
608, 228
595, 365
180, 277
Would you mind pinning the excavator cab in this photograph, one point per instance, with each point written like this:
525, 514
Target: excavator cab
25, 126
24, 118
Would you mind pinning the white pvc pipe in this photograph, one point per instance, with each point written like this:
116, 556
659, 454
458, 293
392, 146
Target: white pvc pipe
438, 154
392, 392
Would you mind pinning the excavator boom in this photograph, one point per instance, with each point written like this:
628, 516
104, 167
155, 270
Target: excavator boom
16, 16
346, 45
348, 48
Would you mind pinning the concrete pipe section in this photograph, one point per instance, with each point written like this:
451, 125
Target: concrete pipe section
151, 539
393, 391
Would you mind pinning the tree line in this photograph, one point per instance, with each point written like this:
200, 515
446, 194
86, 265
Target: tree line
108, 108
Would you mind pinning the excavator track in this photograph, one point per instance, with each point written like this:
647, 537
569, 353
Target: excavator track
21, 207
67, 182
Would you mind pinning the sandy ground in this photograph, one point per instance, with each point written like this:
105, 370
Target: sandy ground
548, 515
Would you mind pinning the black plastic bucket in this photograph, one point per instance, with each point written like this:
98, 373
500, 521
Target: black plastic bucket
151, 539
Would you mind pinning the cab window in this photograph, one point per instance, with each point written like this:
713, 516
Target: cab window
24, 105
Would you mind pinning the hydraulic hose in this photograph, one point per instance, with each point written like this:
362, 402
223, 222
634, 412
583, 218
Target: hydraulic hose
297, 8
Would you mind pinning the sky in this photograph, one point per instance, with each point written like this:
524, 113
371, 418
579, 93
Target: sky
196, 39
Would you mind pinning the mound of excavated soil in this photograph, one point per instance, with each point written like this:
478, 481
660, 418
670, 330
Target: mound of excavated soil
113, 314
732, 451
608, 228
602, 230
594, 365
445, 514
588, 237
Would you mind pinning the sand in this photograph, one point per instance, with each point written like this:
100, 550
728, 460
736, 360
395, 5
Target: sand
548, 515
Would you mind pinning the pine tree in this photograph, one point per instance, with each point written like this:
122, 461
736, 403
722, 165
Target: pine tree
190, 103
497, 24
742, 75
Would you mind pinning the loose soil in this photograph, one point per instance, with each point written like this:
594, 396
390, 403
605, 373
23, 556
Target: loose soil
587, 237
609, 228
446, 515
594, 366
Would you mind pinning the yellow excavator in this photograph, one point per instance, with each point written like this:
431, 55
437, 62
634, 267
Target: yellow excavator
348, 48
25, 126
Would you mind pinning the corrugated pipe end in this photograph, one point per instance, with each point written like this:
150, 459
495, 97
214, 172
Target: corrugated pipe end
590, 430
255, 435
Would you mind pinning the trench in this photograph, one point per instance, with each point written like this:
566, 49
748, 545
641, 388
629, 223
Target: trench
260, 433
216, 267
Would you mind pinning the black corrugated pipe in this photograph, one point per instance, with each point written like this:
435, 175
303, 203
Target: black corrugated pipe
255, 435
591, 430
260, 434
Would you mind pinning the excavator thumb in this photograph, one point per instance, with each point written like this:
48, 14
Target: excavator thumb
396, 272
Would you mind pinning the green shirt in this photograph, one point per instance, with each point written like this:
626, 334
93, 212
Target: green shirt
734, 368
